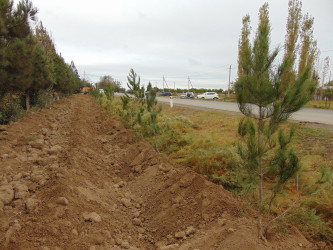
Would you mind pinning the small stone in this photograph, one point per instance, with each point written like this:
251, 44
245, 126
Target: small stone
55, 150
231, 230
141, 230
137, 169
108, 234
92, 217
97, 239
17, 177
190, 230
170, 247
180, 235
126, 202
118, 241
14, 228
321, 244
222, 222
21, 190
62, 201
38, 144
44, 131
75, 232
160, 244
136, 222
31, 204
4, 156
6, 194
103, 140
136, 214
300, 244
122, 184
125, 244
114, 207
164, 168
1, 206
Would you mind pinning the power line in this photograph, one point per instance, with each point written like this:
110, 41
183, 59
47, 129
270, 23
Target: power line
164, 82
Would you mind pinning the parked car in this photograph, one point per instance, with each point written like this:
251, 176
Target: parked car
165, 93
209, 95
189, 95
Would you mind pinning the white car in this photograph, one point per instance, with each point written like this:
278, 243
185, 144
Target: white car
209, 95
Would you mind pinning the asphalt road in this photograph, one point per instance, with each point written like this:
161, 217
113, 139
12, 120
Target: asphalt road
322, 116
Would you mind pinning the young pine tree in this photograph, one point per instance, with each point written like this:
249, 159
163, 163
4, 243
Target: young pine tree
267, 96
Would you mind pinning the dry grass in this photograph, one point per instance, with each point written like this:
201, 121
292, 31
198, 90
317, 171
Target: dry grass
212, 152
319, 104
206, 142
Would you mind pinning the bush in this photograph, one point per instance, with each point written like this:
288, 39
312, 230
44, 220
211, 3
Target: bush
44, 97
10, 109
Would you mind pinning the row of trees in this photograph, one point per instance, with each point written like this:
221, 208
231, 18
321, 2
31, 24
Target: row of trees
107, 79
29, 62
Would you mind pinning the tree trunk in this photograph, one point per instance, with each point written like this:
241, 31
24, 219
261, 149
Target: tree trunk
261, 175
10, 97
27, 101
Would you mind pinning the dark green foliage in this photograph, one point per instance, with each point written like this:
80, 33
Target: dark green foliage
268, 96
10, 109
29, 64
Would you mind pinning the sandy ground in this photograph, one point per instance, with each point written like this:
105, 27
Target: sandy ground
73, 178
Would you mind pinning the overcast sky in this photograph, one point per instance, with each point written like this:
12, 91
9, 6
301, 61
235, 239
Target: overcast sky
174, 38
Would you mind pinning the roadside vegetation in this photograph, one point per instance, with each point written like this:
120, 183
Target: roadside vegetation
32, 72
283, 169
206, 141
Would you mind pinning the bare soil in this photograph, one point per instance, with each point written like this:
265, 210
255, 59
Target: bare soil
72, 177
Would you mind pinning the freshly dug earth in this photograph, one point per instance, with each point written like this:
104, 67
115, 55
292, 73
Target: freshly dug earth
72, 177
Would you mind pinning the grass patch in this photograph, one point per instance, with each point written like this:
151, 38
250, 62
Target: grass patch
206, 141
321, 104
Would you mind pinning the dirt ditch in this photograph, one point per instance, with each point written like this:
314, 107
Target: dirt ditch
73, 178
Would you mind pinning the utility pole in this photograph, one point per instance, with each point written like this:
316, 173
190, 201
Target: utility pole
189, 83
229, 81
166, 84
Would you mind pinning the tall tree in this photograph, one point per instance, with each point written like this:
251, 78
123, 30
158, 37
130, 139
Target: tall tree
243, 45
266, 101
104, 80
15, 26
290, 46
308, 50
45, 42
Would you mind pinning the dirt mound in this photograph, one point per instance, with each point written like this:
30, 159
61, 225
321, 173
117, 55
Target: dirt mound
73, 178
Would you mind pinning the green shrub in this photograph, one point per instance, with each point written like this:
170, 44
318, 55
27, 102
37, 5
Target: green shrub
43, 98
10, 109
